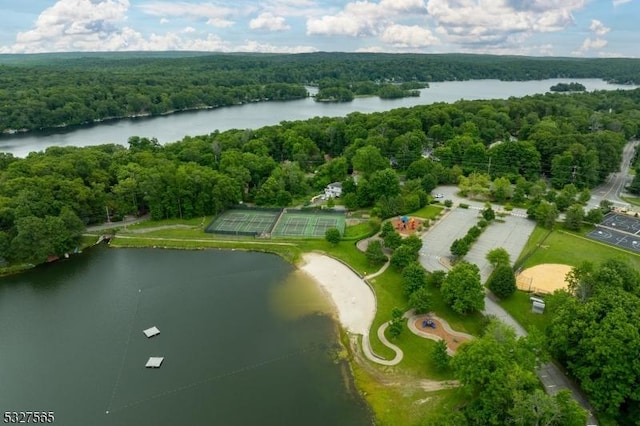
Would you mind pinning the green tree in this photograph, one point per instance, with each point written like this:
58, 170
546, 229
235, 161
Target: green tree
459, 248
396, 326
488, 214
414, 243
462, 288
501, 189
374, 253
538, 408
594, 216
493, 369
546, 214
368, 159
421, 301
498, 256
383, 183
574, 217
440, 355
435, 279
392, 240
332, 235
414, 277
402, 256
448, 203
502, 281
387, 228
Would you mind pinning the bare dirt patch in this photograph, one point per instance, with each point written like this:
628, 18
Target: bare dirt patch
543, 279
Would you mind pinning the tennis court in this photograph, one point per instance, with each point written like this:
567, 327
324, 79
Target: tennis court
308, 224
244, 222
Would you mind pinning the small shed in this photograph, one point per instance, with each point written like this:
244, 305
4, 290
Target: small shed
154, 362
150, 332
537, 305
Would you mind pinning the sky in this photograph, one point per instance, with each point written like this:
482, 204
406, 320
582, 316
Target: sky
578, 28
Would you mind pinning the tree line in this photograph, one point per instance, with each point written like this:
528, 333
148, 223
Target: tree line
399, 156
45, 91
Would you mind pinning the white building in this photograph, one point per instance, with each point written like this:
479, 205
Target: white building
333, 190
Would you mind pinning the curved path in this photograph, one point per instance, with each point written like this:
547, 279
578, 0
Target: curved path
371, 356
415, 330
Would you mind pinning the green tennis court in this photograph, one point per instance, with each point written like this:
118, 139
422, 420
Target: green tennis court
243, 222
296, 224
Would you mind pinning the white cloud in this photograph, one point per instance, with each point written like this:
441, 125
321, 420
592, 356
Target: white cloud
598, 28
370, 49
590, 44
68, 22
99, 25
408, 36
500, 22
255, 46
269, 22
619, 2
214, 14
364, 18
164, 21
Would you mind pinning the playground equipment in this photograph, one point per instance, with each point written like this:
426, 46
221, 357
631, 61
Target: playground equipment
428, 323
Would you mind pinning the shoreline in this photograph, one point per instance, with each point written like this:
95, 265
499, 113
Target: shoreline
352, 298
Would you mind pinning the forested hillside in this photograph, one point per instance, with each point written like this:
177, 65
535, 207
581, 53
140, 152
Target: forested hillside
48, 197
45, 91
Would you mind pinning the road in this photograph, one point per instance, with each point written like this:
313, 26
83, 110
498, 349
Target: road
616, 182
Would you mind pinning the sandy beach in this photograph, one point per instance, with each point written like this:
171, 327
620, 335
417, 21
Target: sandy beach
352, 297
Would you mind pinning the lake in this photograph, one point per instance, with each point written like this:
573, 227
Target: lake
246, 340
171, 128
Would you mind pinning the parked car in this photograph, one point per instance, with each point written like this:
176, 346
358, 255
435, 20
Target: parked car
438, 195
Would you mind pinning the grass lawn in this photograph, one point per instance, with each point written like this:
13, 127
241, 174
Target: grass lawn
632, 200
401, 404
572, 249
428, 212
519, 307
196, 221
360, 231
569, 248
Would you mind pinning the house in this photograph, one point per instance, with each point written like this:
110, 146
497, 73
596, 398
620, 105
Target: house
333, 190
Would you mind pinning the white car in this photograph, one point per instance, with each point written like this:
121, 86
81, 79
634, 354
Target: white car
438, 195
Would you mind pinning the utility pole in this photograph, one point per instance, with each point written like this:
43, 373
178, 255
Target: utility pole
573, 174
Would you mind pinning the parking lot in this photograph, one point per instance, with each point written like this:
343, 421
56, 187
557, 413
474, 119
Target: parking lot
510, 233
438, 239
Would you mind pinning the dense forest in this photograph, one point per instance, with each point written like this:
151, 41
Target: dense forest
45, 91
543, 152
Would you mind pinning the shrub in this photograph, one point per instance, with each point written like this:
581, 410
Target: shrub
420, 300
502, 281
464, 206
374, 253
332, 235
414, 277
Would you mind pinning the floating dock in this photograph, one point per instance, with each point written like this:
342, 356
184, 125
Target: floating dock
150, 332
154, 362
